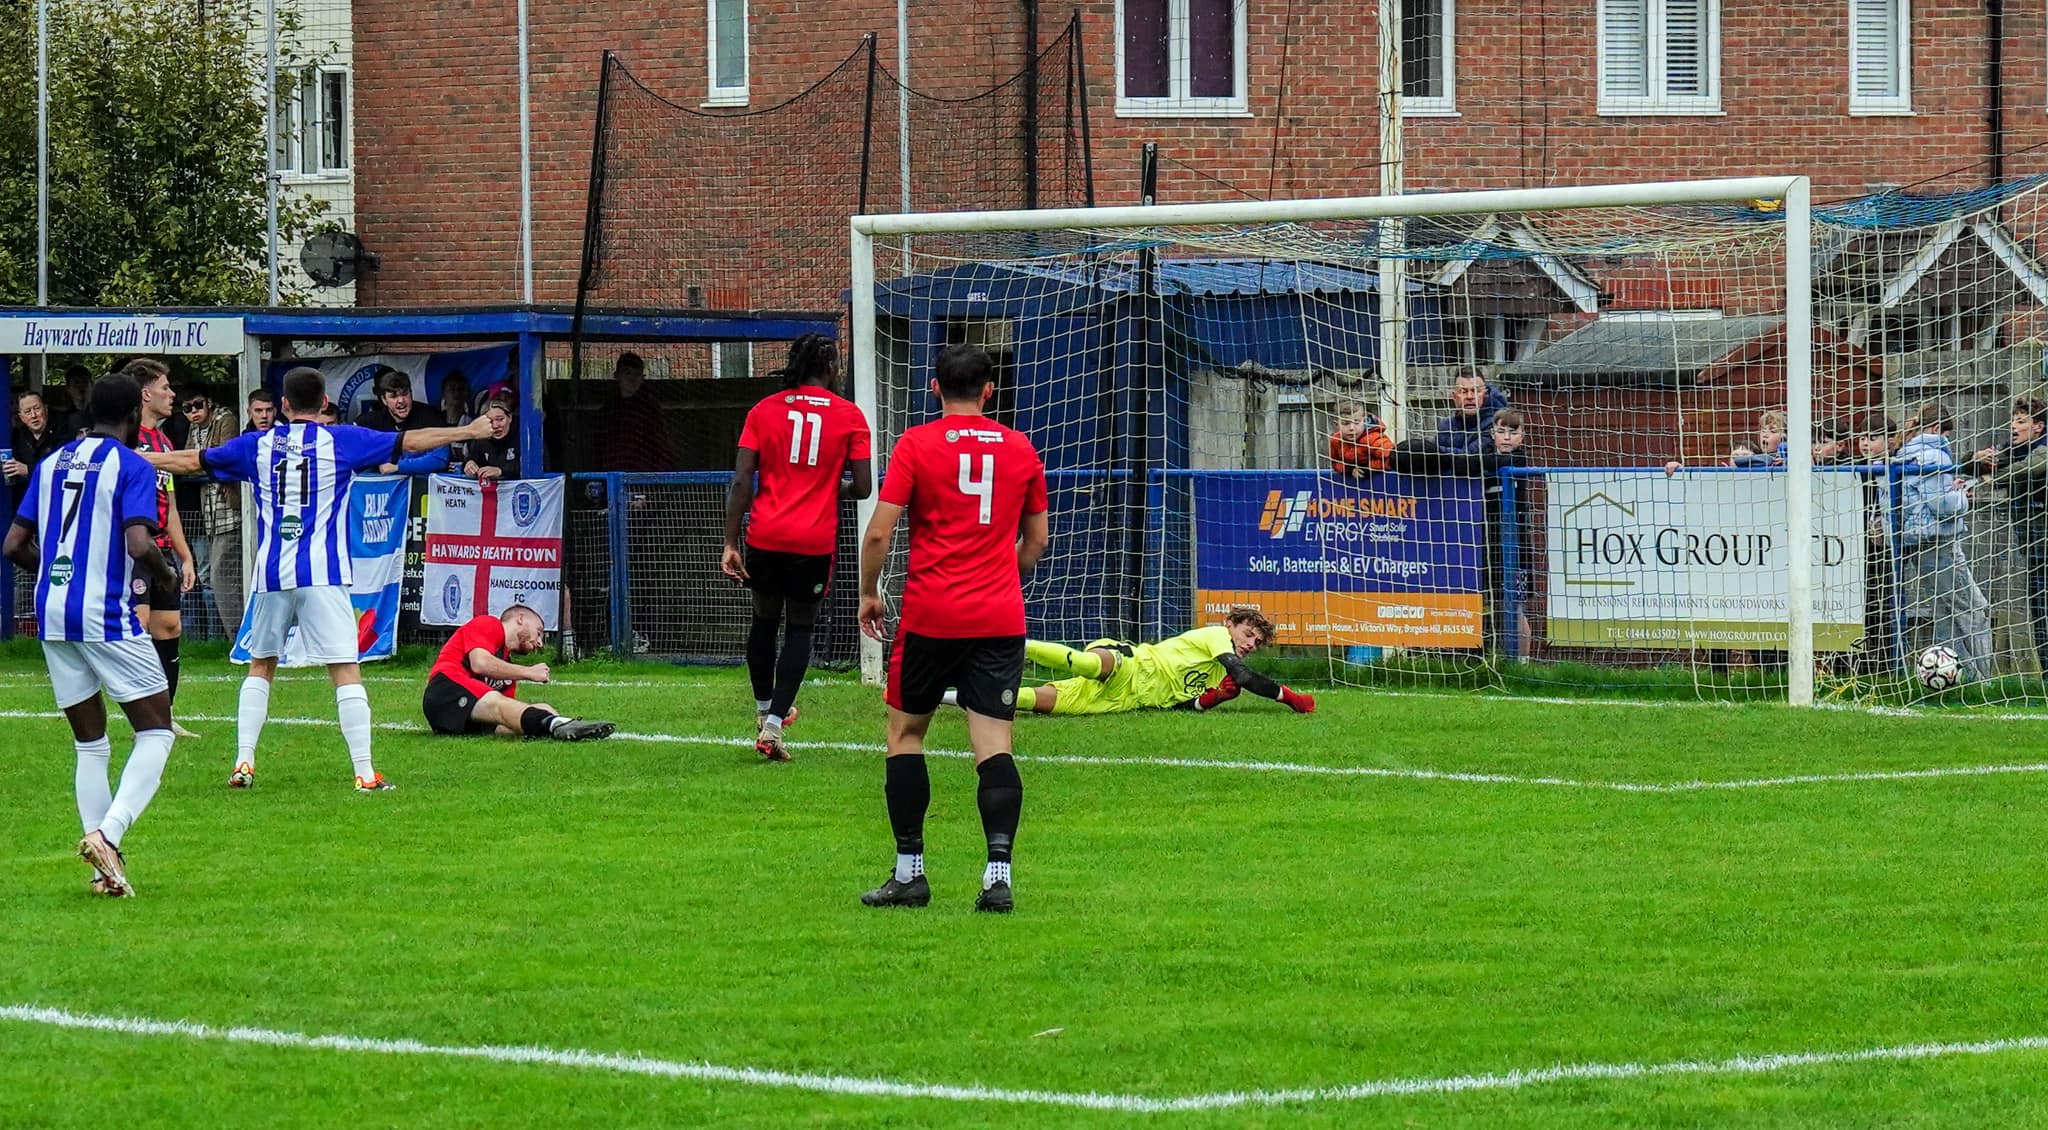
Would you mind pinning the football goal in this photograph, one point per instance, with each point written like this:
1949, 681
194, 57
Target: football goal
1638, 436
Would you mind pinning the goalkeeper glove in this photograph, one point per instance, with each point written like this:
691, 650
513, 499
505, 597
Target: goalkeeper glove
1217, 695
1298, 702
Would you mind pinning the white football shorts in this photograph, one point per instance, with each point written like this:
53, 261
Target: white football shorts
129, 669
326, 621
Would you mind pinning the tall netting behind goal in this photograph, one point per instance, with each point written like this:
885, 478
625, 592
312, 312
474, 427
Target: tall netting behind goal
1585, 467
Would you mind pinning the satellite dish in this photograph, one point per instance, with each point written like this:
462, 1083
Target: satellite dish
334, 258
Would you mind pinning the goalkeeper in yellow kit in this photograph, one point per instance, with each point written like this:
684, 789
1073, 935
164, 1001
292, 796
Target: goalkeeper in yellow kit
1195, 670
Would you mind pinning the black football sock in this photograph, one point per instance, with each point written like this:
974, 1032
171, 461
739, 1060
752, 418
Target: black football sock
761, 658
908, 788
1001, 800
790, 668
536, 723
167, 654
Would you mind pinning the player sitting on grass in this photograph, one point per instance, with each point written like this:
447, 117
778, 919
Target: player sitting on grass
471, 688
1195, 670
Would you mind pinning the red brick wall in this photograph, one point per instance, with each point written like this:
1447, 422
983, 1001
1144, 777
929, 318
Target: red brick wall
437, 104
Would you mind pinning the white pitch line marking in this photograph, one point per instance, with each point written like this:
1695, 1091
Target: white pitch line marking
1285, 767
622, 1064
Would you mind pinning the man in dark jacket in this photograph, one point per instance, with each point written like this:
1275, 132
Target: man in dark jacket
396, 410
1468, 429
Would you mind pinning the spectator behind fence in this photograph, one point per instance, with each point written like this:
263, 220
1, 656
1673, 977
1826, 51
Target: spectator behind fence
1467, 429
218, 548
498, 456
1359, 445
34, 437
636, 430
330, 413
395, 409
2020, 471
1766, 448
262, 410
68, 412
1934, 572
455, 406
1874, 449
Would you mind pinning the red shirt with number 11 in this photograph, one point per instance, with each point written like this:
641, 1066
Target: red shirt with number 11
967, 483
804, 437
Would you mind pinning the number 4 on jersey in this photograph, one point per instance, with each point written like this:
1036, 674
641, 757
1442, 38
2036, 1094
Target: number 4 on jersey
983, 488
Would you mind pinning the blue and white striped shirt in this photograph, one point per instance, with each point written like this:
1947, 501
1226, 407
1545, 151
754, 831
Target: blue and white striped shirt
80, 501
300, 473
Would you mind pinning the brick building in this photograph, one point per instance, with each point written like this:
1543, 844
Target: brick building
1256, 98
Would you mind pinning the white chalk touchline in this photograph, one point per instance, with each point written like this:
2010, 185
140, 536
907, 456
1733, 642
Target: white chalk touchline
1294, 767
1089, 1100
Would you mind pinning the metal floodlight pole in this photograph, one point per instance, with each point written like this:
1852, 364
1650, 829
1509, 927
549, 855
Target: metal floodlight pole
42, 152
270, 143
525, 164
903, 115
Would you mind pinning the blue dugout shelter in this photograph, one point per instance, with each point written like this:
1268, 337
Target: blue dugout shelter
254, 335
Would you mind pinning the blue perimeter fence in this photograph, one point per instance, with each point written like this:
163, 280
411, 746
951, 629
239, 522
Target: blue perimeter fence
643, 579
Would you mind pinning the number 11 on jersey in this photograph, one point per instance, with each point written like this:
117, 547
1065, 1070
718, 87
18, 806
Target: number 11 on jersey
797, 422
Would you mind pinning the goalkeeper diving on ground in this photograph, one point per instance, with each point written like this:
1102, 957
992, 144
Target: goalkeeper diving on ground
1197, 670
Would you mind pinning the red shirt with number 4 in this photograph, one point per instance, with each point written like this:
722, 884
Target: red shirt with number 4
804, 438
967, 483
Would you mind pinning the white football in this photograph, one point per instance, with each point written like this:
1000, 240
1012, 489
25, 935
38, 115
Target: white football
1938, 669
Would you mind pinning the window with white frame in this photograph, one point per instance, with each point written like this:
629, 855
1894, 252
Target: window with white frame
1180, 57
732, 360
1660, 56
1428, 57
726, 38
1880, 57
313, 123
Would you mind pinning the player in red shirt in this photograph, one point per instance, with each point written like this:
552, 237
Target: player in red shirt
472, 688
165, 616
795, 451
975, 493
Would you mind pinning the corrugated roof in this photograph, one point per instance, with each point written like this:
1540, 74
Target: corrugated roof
1662, 347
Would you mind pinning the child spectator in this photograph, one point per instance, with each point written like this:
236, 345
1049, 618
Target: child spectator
1360, 444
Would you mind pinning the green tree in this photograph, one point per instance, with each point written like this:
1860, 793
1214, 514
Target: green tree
156, 155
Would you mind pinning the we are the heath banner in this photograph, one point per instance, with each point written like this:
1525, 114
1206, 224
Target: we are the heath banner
1642, 559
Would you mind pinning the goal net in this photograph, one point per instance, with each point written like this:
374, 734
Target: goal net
1684, 437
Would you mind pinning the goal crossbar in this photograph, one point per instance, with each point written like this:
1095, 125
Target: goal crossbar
1339, 208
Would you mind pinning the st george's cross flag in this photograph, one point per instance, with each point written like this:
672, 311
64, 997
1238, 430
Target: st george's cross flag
491, 545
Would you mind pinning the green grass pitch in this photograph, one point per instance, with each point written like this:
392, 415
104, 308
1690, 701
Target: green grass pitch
1183, 932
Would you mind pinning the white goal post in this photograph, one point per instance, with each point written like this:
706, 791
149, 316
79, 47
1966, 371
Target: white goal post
1793, 191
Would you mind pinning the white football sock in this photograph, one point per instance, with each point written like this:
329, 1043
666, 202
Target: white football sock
352, 703
909, 867
950, 698
994, 873
250, 714
139, 779
94, 795
761, 705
